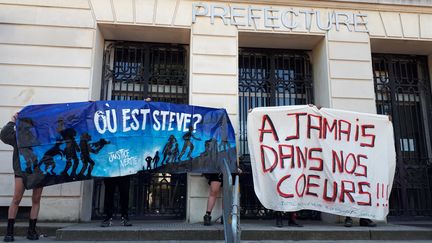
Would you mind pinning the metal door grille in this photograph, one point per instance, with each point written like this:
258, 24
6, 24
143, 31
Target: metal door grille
268, 77
135, 71
403, 91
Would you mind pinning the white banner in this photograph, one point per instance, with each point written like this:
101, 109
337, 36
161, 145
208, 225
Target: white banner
329, 160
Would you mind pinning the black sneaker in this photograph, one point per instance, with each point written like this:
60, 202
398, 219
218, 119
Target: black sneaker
207, 220
125, 222
367, 223
348, 222
279, 222
107, 222
32, 235
294, 223
8, 238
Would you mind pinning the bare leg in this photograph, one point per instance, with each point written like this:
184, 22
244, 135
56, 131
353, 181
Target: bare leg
36, 197
214, 192
18, 194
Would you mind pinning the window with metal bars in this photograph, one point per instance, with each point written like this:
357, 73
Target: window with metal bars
268, 77
403, 91
135, 71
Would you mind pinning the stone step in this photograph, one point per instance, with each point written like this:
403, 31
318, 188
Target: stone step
251, 230
46, 229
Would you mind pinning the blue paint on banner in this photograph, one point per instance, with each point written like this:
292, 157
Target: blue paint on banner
59, 143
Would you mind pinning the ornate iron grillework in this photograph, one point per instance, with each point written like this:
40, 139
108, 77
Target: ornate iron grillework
403, 91
268, 77
135, 71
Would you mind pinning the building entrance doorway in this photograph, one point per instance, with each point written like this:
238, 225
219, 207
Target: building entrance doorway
135, 71
403, 91
269, 77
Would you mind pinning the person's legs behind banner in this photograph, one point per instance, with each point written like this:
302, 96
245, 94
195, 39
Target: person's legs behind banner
363, 222
8, 136
292, 219
215, 182
123, 184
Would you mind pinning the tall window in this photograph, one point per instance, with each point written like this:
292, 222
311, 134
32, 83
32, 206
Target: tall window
134, 71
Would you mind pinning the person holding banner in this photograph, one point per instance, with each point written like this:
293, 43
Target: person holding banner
328, 160
215, 182
123, 184
8, 136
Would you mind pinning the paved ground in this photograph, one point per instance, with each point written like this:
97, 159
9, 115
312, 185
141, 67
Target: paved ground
51, 239
262, 231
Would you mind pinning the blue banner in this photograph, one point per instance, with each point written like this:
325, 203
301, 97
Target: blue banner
59, 143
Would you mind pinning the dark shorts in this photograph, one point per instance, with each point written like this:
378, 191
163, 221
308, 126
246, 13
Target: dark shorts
214, 177
18, 176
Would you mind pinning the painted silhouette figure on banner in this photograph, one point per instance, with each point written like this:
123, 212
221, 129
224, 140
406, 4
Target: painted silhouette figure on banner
149, 160
71, 149
167, 151
156, 159
86, 148
174, 154
27, 139
48, 158
224, 144
211, 148
187, 137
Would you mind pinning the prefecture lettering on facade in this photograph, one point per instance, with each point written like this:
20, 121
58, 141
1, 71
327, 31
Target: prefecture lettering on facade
280, 18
